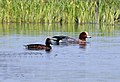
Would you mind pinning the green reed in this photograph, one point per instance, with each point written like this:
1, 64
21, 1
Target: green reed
64, 11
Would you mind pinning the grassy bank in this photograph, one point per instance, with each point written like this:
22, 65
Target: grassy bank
63, 11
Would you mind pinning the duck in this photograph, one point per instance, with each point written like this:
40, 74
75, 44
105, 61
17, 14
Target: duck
67, 39
46, 47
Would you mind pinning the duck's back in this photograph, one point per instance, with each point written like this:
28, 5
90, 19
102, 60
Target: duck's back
35, 46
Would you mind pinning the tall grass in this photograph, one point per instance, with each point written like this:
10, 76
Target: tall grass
64, 11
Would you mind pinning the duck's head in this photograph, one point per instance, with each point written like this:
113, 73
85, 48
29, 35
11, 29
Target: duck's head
48, 42
83, 36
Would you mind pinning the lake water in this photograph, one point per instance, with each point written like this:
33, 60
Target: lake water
98, 61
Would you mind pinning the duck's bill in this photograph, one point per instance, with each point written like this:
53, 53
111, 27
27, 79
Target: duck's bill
89, 37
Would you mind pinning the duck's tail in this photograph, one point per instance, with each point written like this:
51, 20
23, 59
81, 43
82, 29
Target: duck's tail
25, 46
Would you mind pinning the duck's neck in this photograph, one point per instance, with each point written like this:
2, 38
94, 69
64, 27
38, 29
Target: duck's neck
48, 48
48, 45
82, 39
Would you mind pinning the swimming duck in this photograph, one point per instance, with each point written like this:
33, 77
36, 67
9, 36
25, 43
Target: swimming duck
81, 40
46, 47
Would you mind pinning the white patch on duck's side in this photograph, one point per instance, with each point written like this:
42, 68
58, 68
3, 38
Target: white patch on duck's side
61, 41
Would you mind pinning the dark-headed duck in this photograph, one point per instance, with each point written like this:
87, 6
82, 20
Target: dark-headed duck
81, 40
46, 47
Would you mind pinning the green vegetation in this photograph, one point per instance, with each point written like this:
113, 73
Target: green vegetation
63, 11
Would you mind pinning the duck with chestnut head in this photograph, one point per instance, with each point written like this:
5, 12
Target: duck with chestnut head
67, 39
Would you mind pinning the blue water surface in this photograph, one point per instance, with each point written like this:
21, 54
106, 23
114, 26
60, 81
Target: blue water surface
98, 61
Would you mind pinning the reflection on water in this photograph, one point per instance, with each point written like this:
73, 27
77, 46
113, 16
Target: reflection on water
98, 61
41, 29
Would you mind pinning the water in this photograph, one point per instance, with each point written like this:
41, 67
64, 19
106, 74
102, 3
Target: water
98, 61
